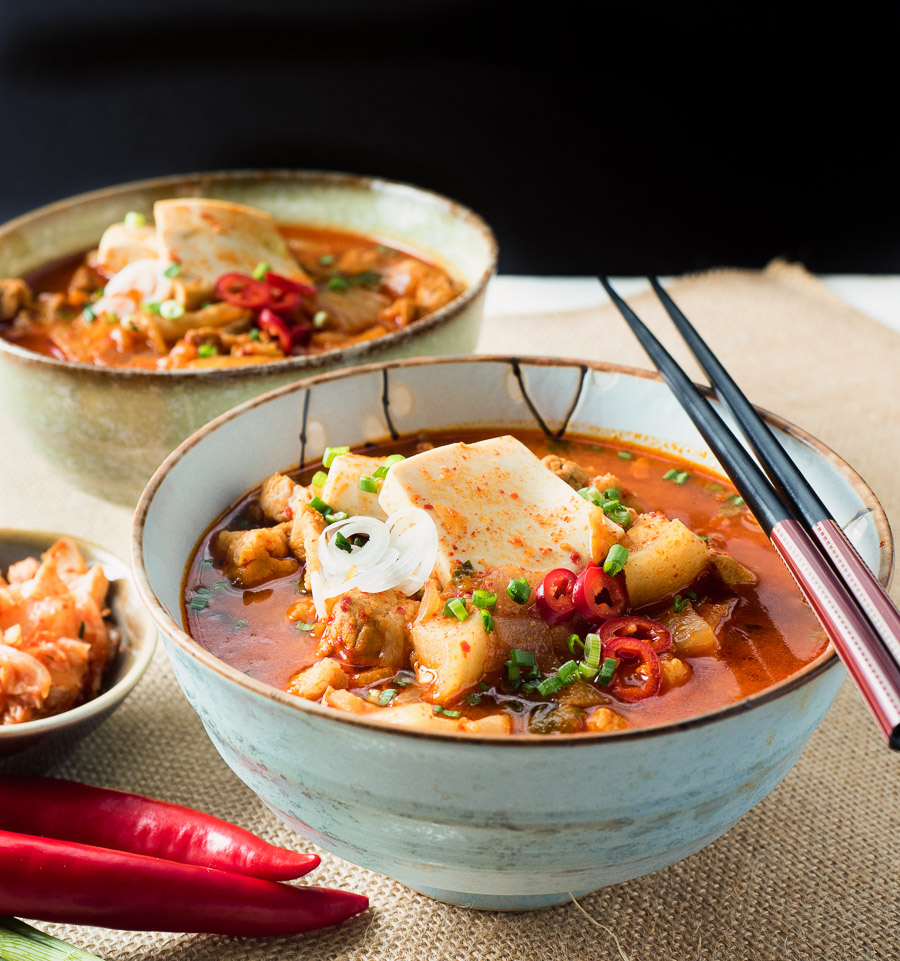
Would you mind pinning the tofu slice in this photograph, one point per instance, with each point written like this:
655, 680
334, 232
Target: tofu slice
214, 237
342, 491
121, 244
493, 503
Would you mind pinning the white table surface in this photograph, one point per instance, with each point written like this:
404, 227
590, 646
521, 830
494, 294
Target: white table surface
876, 296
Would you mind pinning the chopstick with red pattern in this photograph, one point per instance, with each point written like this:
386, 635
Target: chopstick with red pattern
856, 634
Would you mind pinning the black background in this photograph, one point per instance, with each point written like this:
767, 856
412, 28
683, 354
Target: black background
593, 137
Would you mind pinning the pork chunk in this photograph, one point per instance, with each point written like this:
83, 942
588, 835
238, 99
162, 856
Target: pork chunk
306, 526
275, 497
252, 557
573, 474
369, 630
14, 295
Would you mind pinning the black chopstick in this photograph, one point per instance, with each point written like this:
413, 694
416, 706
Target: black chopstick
793, 486
867, 658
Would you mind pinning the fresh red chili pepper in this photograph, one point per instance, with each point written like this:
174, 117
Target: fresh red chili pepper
69, 811
598, 596
554, 596
71, 883
242, 291
647, 671
657, 635
284, 285
288, 335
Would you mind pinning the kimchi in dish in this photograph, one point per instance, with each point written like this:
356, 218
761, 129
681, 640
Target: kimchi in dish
500, 585
56, 637
210, 284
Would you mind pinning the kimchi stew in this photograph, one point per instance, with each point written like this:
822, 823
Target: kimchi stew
211, 284
500, 585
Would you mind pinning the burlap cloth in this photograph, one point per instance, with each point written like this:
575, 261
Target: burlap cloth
811, 873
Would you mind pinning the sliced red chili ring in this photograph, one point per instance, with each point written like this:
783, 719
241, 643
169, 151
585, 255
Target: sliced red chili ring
554, 596
242, 291
277, 282
647, 671
276, 328
283, 293
657, 635
598, 596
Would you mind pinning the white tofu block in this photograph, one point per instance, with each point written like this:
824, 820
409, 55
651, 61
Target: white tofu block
342, 491
214, 237
494, 502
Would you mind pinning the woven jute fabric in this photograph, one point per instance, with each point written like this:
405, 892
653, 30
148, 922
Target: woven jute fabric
813, 872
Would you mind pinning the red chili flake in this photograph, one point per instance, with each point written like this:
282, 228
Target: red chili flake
464, 645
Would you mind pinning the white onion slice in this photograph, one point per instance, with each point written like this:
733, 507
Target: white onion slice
399, 553
145, 277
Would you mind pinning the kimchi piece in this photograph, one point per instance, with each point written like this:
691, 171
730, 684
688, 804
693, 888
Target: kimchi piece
56, 638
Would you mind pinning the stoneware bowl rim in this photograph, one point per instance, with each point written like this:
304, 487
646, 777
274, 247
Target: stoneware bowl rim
143, 652
171, 630
343, 355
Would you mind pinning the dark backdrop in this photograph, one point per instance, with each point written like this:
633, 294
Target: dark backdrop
593, 137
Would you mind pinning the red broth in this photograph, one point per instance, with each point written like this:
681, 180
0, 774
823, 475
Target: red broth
769, 635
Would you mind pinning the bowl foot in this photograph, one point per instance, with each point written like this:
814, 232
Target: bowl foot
500, 902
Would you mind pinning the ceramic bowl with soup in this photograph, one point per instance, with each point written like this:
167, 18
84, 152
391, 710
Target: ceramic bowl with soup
131, 316
499, 643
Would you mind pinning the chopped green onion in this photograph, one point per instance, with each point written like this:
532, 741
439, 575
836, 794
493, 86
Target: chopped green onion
592, 649
305, 625
587, 672
135, 219
550, 685
319, 478
606, 672
716, 487
320, 319
487, 621
204, 591
254, 333
173, 270
368, 484
523, 658
615, 560
592, 494
567, 672
338, 284
403, 678
198, 603
612, 493
261, 269
679, 603
484, 599
326, 260
682, 477
670, 474
456, 607
21, 942
220, 585
573, 640
336, 516
207, 350
380, 472
625, 455
691, 594
331, 453
619, 515
241, 624
342, 544
89, 314
393, 459
519, 590
443, 712
474, 699
316, 503
111, 317
170, 310
387, 695
735, 499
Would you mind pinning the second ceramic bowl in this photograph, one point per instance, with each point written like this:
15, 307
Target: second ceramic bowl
108, 429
